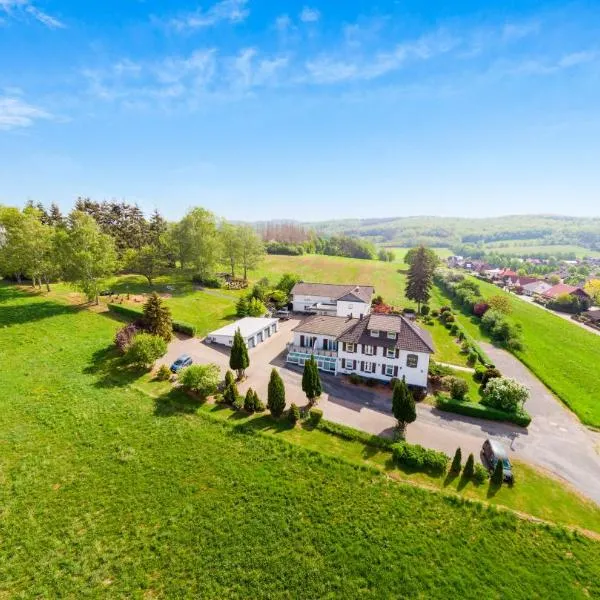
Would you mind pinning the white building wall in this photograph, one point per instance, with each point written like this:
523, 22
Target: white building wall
352, 309
300, 302
414, 375
319, 339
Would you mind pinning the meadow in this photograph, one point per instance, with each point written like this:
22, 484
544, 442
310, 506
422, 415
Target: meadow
518, 248
562, 355
108, 491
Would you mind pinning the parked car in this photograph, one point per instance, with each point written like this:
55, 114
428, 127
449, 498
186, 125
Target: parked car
283, 314
494, 451
185, 360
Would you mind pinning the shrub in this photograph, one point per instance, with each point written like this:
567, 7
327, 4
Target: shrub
480, 309
477, 410
480, 475
444, 309
456, 462
418, 393
447, 317
315, 415
465, 347
355, 378
461, 335
230, 391
469, 469
145, 349
472, 356
256, 308
505, 394
125, 336
201, 379
259, 405
437, 369
490, 373
371, 382
294, 414
454, 329
185, 328
241, 308
457, 387
349, 433
208, 282
163, 373
425, 310
419, 458
238, 403
479, 373
435, 313
249, 401
229, 378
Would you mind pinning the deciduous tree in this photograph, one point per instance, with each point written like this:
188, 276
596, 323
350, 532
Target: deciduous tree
420, 276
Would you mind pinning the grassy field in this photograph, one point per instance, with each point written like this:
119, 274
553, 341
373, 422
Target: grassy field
519, 249
400, 252
107, 492
562, 355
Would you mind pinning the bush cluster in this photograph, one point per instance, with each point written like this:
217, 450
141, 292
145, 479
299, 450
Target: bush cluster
480, 411
349, 433
457, 387
163, 373
315, 415
145, 349
417, 457
496, 325
200, 379
505, 394
208, 282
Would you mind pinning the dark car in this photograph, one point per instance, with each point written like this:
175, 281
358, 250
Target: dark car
494, 451
185, 360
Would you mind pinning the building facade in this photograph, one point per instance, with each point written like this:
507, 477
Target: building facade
332, 300
376, 346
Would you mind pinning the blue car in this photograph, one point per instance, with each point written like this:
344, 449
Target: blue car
185, 360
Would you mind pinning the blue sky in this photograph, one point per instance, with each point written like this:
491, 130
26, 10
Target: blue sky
317, 110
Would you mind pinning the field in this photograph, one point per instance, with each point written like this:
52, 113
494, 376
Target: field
518, 248
565, 357
107, 491
400, 252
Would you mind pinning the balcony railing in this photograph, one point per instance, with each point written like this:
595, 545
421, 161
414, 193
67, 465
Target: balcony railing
309, 350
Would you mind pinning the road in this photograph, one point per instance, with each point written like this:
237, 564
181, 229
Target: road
555, 439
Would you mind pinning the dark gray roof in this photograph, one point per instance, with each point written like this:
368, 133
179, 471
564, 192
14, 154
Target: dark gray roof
354, 292
326, 325
408, 336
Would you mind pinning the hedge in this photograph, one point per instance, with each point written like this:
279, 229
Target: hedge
417, 457
349, 433
132, 313
473, 409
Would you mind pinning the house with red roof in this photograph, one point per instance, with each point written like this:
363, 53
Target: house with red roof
561, 289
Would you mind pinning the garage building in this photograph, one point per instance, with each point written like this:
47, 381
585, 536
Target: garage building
254, 330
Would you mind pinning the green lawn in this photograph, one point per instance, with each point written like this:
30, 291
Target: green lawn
107, 492
519, 249
561, 354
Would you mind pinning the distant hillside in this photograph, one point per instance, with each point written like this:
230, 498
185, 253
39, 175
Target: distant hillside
451, 231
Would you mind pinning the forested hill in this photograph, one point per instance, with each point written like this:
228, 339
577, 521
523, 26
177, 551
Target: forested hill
452, 231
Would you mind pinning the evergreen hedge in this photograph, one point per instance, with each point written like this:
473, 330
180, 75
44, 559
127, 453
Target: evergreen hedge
349, 433
422, 459
473, 409
132, 313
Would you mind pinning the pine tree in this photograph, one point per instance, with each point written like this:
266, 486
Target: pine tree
157, 317
249, 401
469, 469
276, 394
403, 405
239, 359
420, 277
456, 462
311, 381
498, 474
241, 308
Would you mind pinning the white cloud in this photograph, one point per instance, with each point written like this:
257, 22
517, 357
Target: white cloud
15, 8
577, 58
15, 112
283, 23
232, 11
309, 15
516, 31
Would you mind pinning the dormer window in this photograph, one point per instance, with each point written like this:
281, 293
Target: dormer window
391, 335
374, 332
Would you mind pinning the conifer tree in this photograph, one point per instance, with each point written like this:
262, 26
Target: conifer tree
157, 317
498, 474
311, 381
276, 394
239, 360
456, 462
420, 277
403, 405
469, 469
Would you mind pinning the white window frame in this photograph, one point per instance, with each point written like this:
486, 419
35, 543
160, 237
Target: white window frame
389, 370
374, 332
410, 356
346, 366
368, 350
368, 367
390, 353
350, 345
391, 335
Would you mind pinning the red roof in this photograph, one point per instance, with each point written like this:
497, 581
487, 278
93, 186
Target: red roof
507, 273
525, 280
559, 289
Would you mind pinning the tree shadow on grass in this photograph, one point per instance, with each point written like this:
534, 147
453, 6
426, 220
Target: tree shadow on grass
450, 478
35, 311
493, 489
264, 423
176, 402
111, 371
462, 483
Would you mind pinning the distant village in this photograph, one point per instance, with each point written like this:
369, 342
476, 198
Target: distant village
562, 286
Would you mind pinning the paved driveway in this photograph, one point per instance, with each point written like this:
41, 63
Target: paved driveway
555, 439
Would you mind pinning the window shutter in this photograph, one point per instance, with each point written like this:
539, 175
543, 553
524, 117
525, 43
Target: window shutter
383, 369
397, 352
343, 363
362, 365
302, 341
395, 371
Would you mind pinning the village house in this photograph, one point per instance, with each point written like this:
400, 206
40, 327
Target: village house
346, 300
561, 289
374, 346
536, 288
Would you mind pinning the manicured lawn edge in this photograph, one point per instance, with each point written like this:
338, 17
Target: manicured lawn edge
473, 409
349, 433
132, 313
